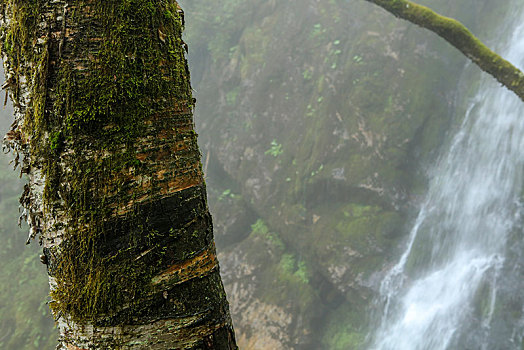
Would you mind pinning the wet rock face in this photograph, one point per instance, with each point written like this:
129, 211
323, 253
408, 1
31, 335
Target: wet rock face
316, 119
261, 324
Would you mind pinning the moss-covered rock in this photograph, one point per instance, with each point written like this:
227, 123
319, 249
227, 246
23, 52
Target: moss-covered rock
322, 115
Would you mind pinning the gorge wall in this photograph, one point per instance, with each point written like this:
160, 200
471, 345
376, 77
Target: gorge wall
317, 120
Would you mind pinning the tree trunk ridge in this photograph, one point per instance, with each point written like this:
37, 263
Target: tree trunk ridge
104, 129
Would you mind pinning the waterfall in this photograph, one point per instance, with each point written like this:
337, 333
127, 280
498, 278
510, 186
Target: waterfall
458, 284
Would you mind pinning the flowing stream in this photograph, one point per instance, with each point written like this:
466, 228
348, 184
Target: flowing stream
458, 284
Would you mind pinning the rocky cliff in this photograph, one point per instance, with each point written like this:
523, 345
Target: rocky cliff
317, 120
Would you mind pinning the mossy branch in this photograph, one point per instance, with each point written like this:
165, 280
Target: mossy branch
461, 38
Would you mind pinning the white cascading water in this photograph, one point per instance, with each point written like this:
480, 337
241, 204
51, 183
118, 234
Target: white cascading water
446, 291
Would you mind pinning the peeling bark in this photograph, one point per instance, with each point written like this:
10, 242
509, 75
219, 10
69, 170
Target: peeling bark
103, 128
461, 38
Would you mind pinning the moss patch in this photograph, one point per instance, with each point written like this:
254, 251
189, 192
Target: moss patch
96, 92
345, 329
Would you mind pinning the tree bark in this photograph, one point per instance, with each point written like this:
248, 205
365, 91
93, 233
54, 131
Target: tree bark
461, 38
104, 130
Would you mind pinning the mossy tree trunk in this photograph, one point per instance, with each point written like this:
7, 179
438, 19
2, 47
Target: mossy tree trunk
103, 129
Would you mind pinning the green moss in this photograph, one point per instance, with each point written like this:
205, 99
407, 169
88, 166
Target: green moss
290, 269
460, 37
56, 141
264, 248
482, 301
260, 228
347, 341
287, 263
362, 223
99, 113
344, 329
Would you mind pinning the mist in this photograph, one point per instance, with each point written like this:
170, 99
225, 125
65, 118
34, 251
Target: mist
324, 128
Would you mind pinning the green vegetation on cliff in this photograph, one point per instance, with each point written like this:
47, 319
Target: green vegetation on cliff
325, 112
